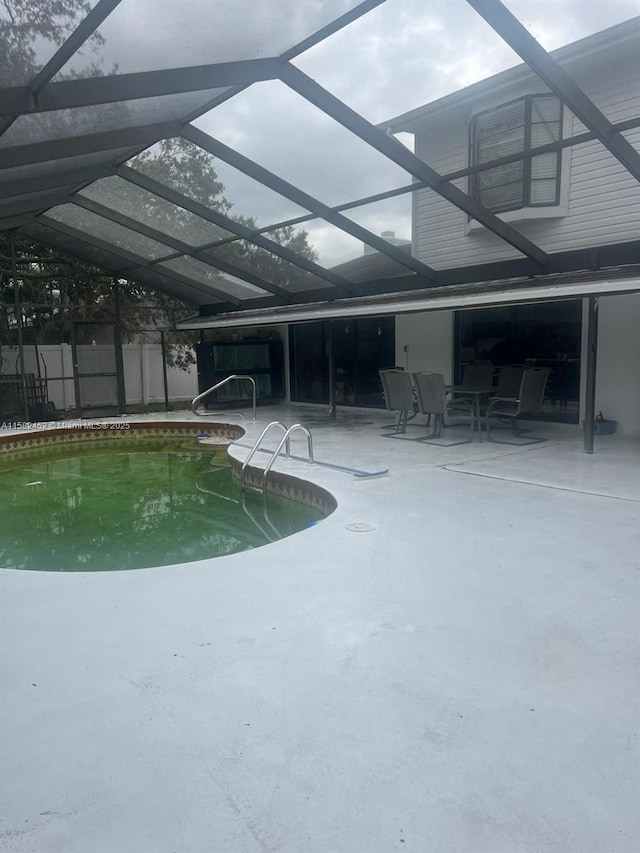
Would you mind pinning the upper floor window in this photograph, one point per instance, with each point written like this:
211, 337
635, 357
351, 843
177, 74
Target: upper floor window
516, 128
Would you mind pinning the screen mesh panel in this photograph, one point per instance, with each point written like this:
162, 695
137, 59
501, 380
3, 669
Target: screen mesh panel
111, 232
156, 212
141, 36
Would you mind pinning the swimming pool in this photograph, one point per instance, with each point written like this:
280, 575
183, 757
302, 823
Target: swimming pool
154, 498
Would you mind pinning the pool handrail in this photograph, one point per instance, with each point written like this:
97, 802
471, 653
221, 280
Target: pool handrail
205, 414
256, 446
286, 440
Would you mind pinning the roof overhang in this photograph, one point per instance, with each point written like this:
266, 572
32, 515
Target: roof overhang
485, 295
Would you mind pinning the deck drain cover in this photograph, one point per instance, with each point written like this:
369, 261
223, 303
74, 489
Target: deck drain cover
360, 527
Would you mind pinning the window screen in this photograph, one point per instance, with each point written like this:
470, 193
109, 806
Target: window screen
517, 127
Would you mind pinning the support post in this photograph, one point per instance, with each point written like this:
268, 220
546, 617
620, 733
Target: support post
122, 404
592, 363
144, 375
165, 380
332, 374
18, 312
74, 359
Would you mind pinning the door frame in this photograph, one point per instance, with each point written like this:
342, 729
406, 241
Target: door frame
119, 362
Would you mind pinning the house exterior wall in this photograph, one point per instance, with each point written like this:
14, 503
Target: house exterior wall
600, 204
603, 199
428, 338
283, 331
618, 369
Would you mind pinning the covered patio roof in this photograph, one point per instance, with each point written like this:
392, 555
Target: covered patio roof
75, 115
477, 295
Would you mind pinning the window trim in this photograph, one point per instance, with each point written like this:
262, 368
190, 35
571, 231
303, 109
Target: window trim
526, 209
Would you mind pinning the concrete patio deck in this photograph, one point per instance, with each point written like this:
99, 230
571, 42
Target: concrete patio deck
461, 679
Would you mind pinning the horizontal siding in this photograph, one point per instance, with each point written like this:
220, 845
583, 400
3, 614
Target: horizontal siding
604, 199
615, 96
633, 137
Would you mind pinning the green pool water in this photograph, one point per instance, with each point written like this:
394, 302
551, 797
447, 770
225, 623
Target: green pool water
130, 510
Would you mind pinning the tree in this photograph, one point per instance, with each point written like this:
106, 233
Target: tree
31, 31
55, 291
53, 287
188, 169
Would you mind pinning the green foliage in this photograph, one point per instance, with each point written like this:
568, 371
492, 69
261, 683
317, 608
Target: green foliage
32, 30
182, 166
55, 290
189, 170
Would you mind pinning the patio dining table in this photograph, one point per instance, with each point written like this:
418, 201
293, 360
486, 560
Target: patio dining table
476, 393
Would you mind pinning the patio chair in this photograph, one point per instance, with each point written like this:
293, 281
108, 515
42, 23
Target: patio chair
478, 374
432, 400
509, 379
527, 402
398, 395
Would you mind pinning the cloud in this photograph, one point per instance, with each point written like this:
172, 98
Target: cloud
401, 55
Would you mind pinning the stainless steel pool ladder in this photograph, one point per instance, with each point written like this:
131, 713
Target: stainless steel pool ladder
202, 413
270, 537
285, 442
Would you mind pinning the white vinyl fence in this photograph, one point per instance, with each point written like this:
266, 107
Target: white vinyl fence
142, 374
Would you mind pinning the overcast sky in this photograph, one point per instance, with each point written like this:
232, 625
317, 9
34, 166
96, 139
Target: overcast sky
401, 55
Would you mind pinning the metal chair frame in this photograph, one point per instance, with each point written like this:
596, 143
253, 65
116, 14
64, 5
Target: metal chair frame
398, 396
527, 402
432, 400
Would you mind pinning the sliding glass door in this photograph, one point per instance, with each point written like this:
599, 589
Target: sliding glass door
542, 334
361, 346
